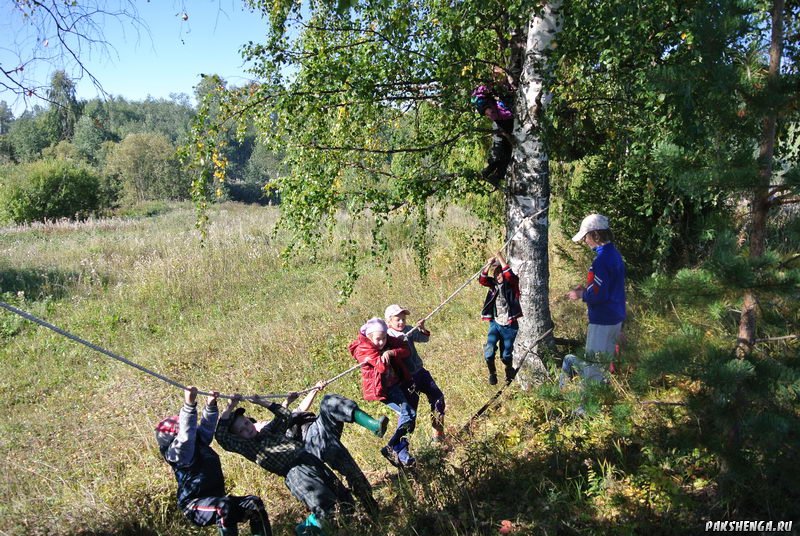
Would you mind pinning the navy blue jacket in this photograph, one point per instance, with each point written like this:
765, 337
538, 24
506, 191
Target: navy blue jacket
605, 287
197, 468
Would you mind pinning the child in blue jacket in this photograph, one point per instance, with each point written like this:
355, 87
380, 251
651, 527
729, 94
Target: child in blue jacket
604, 295
201, 485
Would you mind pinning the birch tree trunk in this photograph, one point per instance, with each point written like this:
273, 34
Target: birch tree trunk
529, 191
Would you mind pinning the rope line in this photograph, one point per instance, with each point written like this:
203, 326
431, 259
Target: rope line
499, 392
112, 355
525, 221
251, 398
449, 298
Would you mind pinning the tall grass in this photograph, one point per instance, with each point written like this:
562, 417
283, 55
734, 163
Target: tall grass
229, 314
76, 427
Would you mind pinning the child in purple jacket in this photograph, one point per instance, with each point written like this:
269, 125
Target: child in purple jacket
488, 104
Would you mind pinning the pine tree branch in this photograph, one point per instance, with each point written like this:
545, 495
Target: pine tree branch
777, 188
788, 261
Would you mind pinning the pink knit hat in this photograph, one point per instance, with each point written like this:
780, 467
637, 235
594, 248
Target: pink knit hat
372, 325
166, 430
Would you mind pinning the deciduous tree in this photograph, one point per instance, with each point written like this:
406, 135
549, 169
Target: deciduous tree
64, 106
6, 118
30, 134
371, 103
147, 168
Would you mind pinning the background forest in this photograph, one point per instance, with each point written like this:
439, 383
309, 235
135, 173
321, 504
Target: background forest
74, 159
678, 120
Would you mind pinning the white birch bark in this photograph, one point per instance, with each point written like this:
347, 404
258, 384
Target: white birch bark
529, 191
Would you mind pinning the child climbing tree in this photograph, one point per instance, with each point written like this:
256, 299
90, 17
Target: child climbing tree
372, 105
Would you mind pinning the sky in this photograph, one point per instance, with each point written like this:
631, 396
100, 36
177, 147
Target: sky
165, 56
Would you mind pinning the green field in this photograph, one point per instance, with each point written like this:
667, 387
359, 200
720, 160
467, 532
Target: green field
76, 431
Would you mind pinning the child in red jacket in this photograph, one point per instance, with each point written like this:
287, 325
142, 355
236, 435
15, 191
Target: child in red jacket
382, 372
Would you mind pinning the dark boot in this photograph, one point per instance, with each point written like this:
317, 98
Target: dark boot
259, 524
403, 456
511, 372
492, 372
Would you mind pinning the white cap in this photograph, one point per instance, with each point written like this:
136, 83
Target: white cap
394, 310
592, 222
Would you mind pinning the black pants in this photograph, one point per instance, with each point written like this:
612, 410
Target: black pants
500, 152
228, 511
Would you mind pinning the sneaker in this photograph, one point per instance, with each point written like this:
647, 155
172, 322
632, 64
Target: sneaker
390, 455
311, 526
403, 456
492, 378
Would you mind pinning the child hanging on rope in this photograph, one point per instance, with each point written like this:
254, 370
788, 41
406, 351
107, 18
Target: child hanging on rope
382, 373
329, 448
201, 485
501, 309
297, 455
489, 103
421, 379
604, 296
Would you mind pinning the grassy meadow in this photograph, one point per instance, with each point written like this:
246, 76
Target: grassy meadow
76, 431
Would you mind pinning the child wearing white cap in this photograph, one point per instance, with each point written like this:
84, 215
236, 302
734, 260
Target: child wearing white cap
604, 295
421, 379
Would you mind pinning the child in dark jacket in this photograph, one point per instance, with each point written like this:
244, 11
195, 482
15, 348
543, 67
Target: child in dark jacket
421, 379
201, 485
383, 372
301, 457
488, 104
501, 309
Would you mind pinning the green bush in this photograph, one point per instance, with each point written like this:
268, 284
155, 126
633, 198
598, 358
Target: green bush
48, 190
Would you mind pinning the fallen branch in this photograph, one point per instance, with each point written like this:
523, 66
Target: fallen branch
773, 339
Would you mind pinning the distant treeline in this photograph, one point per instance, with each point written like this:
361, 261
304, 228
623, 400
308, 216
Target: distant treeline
76, 158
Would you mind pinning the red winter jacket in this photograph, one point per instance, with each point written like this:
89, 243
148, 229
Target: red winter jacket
377, 378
